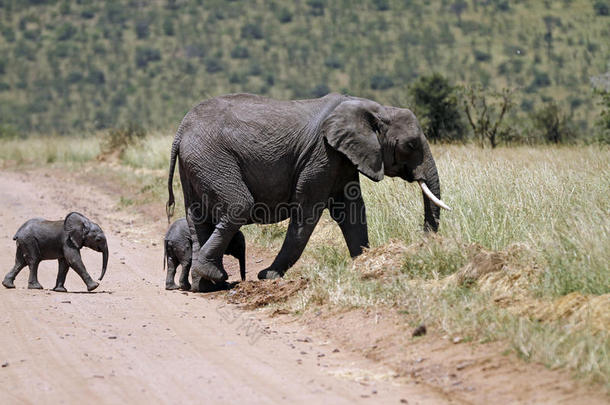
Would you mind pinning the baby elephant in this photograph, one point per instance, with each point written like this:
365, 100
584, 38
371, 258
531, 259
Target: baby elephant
39, 239
178, 251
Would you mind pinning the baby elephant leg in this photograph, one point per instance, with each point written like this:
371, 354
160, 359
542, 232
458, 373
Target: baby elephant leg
184, 275
61, 275
74, 260
171, 273
33, 283
20, 263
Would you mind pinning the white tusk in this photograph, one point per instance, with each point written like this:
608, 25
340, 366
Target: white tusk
432, 197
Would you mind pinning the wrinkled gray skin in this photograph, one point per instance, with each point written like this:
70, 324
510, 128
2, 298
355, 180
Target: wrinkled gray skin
240, 152
39, 239
178, 252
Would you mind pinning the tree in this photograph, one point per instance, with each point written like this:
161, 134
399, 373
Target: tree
437, 108
552, 123
486, 112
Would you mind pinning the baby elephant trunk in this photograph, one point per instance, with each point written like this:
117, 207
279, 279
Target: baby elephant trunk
104, 260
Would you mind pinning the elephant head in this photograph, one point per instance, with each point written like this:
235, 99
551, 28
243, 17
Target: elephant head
382, 140
80, 231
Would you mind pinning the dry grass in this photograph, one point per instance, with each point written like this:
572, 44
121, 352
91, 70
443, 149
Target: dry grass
523, 257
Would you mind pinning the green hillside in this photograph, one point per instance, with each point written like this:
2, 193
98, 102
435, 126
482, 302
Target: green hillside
78, 66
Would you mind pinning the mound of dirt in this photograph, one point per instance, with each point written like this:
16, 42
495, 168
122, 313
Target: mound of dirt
383, 261
507, 276
256, 294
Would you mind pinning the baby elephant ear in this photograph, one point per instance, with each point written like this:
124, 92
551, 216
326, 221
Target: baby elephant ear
352, 129
76, 226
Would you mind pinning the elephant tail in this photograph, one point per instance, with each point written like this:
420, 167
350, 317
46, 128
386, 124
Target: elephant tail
169, 207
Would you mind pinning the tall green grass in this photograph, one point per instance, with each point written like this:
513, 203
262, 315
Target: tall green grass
553, 200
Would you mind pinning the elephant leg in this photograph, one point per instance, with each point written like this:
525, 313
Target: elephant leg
33, 283
297, 236
208, 264
184, 275
350, 215
20, 263
62, 272
171, 273
72, 255
237, 249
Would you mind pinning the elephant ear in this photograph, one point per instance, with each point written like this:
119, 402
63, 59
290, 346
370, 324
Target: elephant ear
352, 129
76, 227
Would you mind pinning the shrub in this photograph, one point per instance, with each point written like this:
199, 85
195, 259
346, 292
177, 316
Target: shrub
65, 31
142, 28
251, 31
381, 5
240, 52
320, 90
213, 65
316, 7
381, 82
145, 55
601, 8
333, 62
284, 15
168, 27
437, 108
118, 139
552, 123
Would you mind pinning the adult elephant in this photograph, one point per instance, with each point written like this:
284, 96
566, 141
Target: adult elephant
245, 159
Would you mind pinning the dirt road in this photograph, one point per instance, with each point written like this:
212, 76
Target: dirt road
133, 342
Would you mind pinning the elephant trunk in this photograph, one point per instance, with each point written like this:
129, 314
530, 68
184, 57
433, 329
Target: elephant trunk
104, 260
431, 185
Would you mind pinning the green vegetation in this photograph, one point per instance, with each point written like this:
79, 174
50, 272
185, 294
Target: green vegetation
74, 67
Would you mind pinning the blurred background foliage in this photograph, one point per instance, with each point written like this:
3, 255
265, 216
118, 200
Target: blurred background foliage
83, 65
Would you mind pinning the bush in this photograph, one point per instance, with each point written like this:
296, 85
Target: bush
142, 28
333, 62
601, 8
284, 15
168, 27
437, 108
118, 139
145, 55
481, 56
316, 7
552, 123
213, 65
65, 31
381, 5
240, 52
381, 82
320, 90
251, 31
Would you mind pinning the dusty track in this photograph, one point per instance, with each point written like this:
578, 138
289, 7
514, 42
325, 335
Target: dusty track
133, 342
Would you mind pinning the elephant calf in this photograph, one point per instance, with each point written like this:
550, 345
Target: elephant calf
178, 248
39, 239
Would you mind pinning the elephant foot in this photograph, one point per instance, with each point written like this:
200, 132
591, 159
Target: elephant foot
185, 286
209, 270
34, 286
8, 283
269, 274
60, 289
92, 286
171, 286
